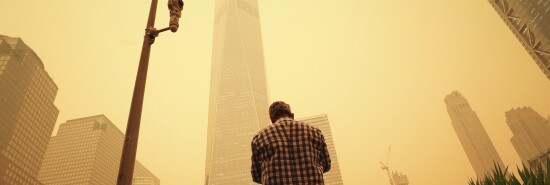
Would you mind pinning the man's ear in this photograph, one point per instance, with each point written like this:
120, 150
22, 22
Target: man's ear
292, 115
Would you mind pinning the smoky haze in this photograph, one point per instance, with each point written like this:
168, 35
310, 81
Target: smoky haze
379, 69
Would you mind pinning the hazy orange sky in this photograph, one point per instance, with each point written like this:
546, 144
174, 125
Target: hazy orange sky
379, 69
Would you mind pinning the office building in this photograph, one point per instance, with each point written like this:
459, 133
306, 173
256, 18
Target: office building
238, 92
27, 112
531, 132
86, 151
400, 179
476, 143
529, 20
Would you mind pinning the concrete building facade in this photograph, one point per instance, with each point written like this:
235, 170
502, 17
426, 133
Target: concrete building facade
472, 135
531, 132
86, 151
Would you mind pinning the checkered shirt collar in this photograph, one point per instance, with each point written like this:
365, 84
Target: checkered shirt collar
284, 119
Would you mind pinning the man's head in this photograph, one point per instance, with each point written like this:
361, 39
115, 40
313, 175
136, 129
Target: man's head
278, 110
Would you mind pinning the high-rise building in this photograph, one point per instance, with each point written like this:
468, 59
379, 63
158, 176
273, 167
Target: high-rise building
87, 151
334, 176
27, 112
529, 20
531, 132
238, 92
476, 143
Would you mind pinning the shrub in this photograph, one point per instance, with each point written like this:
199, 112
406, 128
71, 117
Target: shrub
528, 176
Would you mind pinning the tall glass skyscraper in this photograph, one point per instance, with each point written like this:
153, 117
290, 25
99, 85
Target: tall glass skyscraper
529, 20
27, 112
238, 92
334, 176
531, 132
476, 143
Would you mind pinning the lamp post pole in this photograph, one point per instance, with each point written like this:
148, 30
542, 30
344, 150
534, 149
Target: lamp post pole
128, 157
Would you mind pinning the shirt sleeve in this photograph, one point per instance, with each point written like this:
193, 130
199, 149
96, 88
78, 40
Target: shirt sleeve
256, 168
325, 156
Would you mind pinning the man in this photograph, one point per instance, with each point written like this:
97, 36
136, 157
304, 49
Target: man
288, 152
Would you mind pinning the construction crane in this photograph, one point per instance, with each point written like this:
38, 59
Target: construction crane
386, 167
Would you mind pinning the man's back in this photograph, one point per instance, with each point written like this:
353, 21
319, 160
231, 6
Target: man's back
289, 152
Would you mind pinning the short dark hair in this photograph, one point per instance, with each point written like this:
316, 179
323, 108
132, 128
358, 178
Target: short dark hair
279, 109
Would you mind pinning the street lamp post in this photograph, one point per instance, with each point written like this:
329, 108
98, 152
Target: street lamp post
128, 157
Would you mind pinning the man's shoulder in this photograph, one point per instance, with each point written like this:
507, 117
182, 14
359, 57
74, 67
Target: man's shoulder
264, 130
274, 128
307, 125
267, 130
304, 126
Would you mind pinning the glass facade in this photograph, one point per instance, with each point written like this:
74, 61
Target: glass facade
334, 176
476, 143
238, 92
529, 20
86, 151
27, 112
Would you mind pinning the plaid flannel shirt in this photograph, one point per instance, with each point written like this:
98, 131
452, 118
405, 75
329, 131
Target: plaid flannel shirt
289, 153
